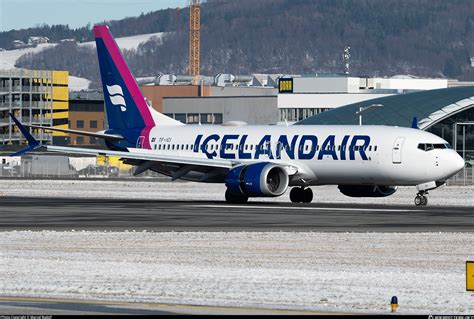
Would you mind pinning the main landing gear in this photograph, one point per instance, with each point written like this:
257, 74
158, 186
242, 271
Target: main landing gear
301, 195
421, 199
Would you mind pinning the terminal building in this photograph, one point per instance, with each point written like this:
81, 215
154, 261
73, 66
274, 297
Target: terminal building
34, 97
276, 99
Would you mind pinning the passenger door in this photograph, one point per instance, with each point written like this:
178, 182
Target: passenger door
397, 150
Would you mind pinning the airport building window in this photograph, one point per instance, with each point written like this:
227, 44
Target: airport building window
217, 118
80, 124
298, 114
193, 118
196, 118
206, 118
180, 117
93, 124
80, 140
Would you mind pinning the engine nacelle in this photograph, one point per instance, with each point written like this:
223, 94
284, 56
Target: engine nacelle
258, 180
367, 190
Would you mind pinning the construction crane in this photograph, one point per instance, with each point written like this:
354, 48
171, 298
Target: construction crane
194, 39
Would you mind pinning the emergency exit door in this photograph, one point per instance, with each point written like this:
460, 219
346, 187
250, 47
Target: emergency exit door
397, 150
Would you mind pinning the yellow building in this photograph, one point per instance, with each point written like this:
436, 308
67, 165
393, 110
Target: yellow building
34, 97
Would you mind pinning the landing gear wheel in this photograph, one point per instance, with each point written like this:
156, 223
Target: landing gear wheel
307, 195
421, 200
301, 195
418, 200
295, 195
424, 200
233, 198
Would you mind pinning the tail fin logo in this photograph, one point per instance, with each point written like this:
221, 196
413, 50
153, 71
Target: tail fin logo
116, 96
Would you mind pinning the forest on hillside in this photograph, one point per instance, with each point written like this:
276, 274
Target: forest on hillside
428, 38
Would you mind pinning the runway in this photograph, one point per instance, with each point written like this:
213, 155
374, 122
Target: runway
158, 215
51, 306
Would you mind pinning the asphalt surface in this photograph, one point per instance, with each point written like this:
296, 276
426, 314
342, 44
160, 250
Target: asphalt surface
93, 214
112, 214
43, 306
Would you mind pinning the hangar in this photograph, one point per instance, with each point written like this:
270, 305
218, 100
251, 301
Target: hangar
448, 113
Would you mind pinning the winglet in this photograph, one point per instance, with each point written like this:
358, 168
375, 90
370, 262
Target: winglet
32, 142
414, 123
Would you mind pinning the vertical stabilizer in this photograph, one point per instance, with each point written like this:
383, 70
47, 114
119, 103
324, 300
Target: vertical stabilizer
125, 104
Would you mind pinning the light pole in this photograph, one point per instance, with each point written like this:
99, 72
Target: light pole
367, 109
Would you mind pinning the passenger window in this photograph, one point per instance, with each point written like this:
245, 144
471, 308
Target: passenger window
375, 148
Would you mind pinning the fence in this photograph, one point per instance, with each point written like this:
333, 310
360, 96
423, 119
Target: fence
463, 178
64, 167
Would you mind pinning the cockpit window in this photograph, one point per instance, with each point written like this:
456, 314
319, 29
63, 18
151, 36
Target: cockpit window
428, 146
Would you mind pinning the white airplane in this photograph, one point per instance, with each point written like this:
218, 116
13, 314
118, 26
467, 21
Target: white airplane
258, 160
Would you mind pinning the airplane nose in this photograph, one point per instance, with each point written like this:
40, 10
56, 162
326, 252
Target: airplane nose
458, 162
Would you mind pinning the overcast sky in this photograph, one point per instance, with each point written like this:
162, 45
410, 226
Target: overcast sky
20, 14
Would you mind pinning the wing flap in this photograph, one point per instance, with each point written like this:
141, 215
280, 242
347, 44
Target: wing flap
146, 155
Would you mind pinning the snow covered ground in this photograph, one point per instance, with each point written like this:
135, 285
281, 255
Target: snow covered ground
156, 190
77, 84
340, 272
9, 57
128, 43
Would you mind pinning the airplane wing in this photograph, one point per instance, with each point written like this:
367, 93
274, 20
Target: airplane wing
94, 134
148, 158
146, 155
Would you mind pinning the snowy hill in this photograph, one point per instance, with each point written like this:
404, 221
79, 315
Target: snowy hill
9, 57
128, 43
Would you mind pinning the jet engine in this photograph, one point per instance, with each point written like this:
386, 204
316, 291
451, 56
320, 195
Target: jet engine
257, 180
367, 190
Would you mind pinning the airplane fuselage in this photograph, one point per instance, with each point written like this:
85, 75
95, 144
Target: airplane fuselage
343, 155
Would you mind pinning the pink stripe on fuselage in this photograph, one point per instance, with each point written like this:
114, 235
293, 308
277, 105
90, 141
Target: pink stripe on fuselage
103, 32
146, 133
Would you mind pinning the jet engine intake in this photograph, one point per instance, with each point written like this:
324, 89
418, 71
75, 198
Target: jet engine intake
258, 180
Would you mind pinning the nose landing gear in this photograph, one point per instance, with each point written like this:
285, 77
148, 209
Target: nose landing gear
301, 195
421, 199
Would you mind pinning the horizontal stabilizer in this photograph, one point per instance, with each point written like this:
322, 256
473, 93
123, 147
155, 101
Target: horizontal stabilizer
32, 142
